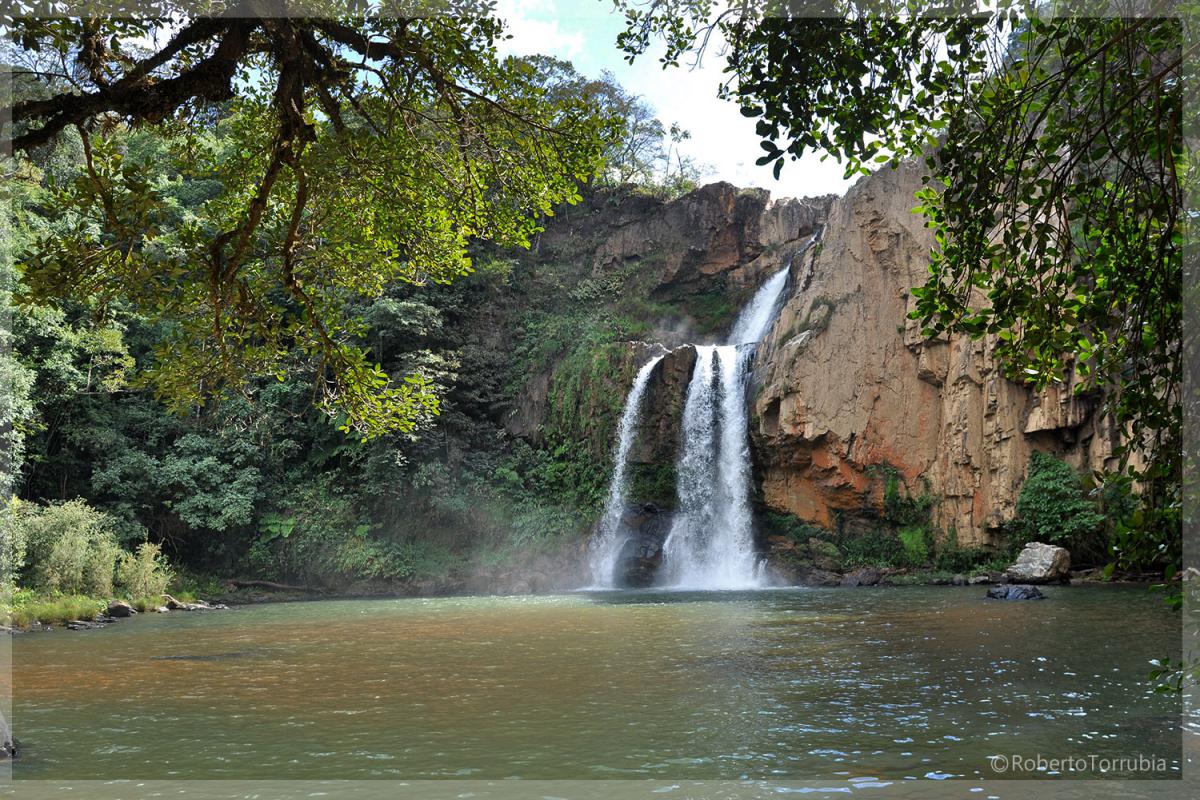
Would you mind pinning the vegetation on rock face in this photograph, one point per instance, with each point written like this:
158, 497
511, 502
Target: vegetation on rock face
1053, 506
901, 536
654, 483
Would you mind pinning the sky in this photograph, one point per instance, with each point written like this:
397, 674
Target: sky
584, 32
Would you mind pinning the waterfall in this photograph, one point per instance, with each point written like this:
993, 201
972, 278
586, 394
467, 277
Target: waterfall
607, 544
711, 542
752, 324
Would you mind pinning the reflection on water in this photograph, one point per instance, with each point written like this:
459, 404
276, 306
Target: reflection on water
773, 685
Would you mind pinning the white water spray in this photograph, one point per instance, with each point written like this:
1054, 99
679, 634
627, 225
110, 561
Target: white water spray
606, 545
711, 543
752, 324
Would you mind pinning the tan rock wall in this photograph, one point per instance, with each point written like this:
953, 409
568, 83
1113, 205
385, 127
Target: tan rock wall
847, 383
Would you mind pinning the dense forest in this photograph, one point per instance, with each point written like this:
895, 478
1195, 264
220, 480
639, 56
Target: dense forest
263, 482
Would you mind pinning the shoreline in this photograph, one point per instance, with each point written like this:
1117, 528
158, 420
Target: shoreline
884, 579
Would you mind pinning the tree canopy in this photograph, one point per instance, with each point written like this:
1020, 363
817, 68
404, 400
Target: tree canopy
334, 155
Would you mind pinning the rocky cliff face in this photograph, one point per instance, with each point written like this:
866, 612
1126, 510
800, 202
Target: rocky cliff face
847, 386
847, 392
698, 258
717, 232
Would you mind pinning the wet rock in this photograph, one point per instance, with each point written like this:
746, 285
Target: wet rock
9, 746
863, 576
1041, 563
177, 605
83, 625
1015, 591
119, 608
979, 580
815, 576
646, 528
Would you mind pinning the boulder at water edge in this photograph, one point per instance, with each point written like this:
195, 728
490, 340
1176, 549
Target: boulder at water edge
863, 576
1041, 563
1015, 591
119, 608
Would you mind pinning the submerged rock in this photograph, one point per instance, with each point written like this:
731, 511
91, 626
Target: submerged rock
1041, 563
1015, 591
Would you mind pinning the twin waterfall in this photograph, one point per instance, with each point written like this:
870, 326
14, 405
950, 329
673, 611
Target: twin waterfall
711, 541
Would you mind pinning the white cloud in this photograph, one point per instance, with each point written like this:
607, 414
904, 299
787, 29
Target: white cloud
721, 138
534, 30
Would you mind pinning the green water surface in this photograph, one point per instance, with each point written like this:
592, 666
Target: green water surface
885, 683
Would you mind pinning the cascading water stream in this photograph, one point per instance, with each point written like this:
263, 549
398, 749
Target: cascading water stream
752, 324
607, 544
711, 543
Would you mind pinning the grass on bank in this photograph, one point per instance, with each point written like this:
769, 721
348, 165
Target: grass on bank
52, 610
28, 608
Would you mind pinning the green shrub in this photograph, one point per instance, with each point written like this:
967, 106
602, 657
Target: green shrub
144, 574
144, 605
954, 558
12, 542
899, 506
779, 524
191, 586
876, 548
915, 539
1053, 507
69, 548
